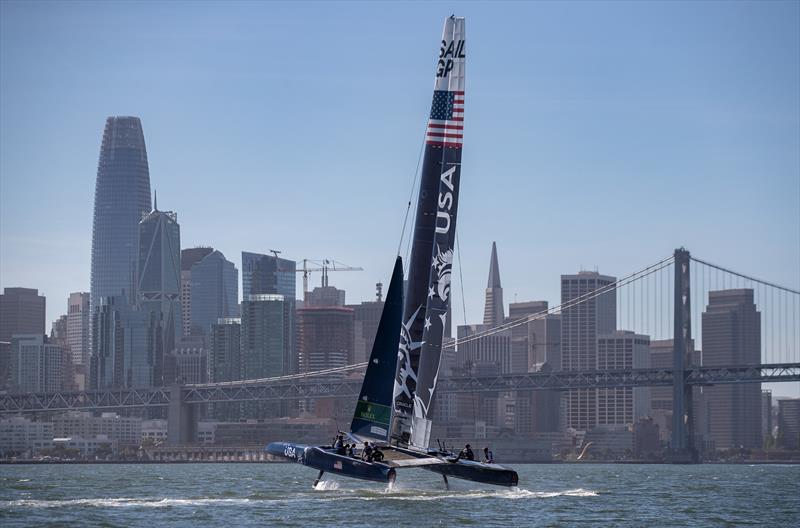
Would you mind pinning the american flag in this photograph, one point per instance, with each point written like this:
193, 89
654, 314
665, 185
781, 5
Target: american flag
446, 125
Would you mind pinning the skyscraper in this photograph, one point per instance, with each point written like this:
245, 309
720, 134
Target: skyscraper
493, 312
125, 344
272, 275
189, 257
732, 336
159, 281
22, 311
121, 197
37, 364
580, 326
78, 336
622, 350
263, 353
209, 289
325, 337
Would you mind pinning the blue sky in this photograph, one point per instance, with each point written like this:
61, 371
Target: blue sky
598, 135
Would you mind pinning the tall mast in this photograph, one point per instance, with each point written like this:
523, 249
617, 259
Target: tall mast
428, 293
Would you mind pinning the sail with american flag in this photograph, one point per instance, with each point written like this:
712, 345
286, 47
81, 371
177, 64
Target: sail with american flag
427, 295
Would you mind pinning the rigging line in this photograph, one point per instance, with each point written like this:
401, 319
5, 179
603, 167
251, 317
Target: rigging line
461, 280
569, 304
772, 284
411, 195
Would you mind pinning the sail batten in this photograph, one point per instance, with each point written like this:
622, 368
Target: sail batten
428, 293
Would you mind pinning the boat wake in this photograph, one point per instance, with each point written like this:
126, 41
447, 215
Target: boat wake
326, 485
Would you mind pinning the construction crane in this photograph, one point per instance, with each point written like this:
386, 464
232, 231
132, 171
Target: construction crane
325, 266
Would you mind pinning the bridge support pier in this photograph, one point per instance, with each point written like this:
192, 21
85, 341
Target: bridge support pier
682, 443
181, 423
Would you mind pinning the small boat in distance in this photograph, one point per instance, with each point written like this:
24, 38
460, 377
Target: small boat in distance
394, 411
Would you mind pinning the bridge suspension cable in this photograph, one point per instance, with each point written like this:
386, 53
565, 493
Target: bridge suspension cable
664, 263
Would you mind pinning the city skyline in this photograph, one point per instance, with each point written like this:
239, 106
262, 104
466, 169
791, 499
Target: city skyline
737, 154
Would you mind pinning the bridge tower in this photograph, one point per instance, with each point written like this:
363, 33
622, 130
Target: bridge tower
682, 443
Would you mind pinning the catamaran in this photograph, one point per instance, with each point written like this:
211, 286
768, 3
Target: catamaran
394, 407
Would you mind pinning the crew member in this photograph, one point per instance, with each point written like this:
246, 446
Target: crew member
377, 455
467, 453
487, 455
366, 452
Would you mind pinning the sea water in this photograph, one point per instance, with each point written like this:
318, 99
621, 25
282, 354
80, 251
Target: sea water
188, 495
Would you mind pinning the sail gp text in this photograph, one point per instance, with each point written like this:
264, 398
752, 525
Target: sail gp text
447, 54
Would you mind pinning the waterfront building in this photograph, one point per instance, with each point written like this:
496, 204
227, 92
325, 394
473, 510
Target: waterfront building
159, 283
121, 197
622, 350
124, 430
154, 432
493, 310
79, 336
789, 423
732, 336
209, 289
37, 365
580, 326
19, 435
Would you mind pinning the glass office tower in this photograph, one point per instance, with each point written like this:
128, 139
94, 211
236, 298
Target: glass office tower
121, 197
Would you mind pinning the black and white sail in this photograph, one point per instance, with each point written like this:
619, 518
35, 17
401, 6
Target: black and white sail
428, 291
373, 412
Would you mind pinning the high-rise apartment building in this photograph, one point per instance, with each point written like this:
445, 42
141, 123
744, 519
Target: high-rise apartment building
213, 291
581, 323
272, 275
263, 352
225, 363
732, 336
493, 311
121, 197
79, 336
622, 350
159, 281
37, 365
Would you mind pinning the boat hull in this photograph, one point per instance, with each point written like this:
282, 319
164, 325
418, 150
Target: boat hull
324, 459
494, 474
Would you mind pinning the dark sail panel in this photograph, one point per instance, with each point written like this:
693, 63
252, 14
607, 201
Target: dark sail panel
443, 143
373, 413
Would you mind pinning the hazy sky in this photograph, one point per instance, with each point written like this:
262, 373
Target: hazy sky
598, 136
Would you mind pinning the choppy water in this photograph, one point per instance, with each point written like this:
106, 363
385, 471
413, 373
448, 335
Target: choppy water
188, 495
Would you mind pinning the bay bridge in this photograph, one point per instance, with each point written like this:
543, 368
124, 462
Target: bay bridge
661, 300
